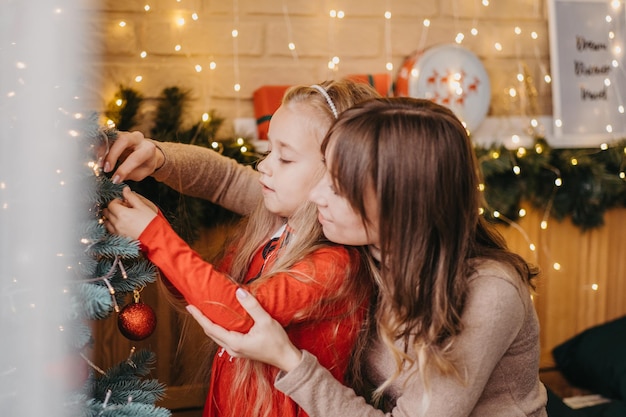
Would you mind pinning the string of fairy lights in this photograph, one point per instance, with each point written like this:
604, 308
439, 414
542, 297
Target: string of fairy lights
522, 90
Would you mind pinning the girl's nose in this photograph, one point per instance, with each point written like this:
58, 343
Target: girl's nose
262, 167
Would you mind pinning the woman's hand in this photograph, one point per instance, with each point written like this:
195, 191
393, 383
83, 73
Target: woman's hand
139, 157
129, 217
266, 341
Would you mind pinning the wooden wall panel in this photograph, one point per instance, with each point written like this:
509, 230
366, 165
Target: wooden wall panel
590, 286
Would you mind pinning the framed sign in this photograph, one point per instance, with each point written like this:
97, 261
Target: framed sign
587, 46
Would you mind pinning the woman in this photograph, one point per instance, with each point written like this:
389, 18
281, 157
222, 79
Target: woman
454, 331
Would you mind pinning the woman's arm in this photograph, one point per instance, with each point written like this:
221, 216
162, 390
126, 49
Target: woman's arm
192, 170
275, 348
312, 386
201, 172
483, 343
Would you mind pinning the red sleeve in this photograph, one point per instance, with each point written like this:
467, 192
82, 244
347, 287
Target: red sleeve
214, 292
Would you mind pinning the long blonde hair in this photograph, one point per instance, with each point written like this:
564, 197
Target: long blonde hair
418, 158
308, 237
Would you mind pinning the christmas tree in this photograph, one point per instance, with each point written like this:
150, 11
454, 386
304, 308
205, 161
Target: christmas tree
59, 269
106, 270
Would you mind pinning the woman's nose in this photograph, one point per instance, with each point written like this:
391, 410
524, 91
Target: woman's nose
316, 194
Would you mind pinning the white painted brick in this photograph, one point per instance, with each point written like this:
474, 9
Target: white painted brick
294, 7
398, 8
122, 5
348, 39
498, 9
117, 40
172, 5
358, 39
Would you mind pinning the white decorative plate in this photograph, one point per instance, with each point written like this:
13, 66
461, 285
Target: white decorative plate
449, 75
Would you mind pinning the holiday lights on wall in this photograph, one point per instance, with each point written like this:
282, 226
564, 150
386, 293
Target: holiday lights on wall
290, 43
522, 89
182, 17
333, 62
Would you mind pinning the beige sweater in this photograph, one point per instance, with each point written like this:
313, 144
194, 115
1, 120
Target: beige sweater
201, 172
499, 346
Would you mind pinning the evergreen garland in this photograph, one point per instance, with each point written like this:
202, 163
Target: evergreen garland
581, 184
186, 214
592, 181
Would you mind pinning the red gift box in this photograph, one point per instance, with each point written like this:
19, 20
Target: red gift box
266, 101
267, 98
381, 82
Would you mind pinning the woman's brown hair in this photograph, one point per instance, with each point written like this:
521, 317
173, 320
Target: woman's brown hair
417, 157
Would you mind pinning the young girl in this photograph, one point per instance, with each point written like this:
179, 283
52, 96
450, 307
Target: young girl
455, 331
317, 290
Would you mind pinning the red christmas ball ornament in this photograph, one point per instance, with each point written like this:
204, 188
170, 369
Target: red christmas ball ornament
137, 320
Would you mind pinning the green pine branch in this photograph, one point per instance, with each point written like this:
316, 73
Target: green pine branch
187, 215
590, 181
106, 269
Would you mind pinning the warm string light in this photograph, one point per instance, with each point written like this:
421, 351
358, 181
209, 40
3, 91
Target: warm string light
424, 34
5, 204
117, 264
290, 43
474, 29
333, 62
143, 54
521, 91
455, 20
616, 47
388, 44
558, 182
235, 36
525, 91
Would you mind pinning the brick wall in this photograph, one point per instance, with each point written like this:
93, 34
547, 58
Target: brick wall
359, 40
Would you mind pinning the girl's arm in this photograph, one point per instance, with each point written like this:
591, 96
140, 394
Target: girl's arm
214, 292
284, 295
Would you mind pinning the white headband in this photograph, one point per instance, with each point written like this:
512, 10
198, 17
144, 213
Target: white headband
327, 97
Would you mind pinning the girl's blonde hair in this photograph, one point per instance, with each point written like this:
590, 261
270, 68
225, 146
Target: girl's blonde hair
254, 378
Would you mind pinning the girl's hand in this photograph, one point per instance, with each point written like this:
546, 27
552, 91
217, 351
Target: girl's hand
139, 157
129, 217
266, 341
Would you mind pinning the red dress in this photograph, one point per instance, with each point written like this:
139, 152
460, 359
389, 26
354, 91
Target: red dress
329, 335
